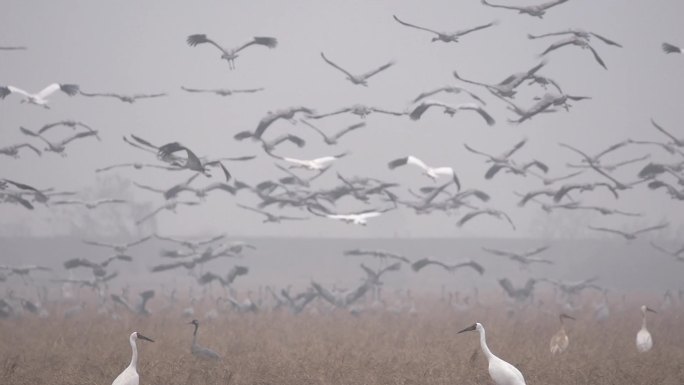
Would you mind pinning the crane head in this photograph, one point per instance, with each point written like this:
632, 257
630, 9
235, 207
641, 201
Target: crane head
142, 337
476, 326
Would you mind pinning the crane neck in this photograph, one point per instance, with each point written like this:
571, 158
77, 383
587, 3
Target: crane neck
483, 344
194, 335
643, 320
134, 348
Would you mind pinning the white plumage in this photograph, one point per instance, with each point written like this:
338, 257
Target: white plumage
130, 375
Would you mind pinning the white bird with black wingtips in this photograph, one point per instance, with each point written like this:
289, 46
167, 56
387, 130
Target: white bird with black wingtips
432, 172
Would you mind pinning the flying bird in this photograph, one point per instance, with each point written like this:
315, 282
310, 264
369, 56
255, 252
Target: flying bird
58, 147
491, 212
449, 90
192, 162
223, 91
506, 88
577, 41
231, 54
630, 235
382, 254
89, 204
317, 164
272, 218
119, 248
98, 268
358, 79
450, 267
447, 37
124, 98
451, 110
525, 258
519, 294
13, 150
580, 33
39, 99
538, 10
270, 118
168, 206
432, 172
360, 110
332, 140
360, 218
12, 48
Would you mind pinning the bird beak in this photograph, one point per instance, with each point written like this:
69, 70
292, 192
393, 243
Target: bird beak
568, 317
142, 337
469, 328
651, 310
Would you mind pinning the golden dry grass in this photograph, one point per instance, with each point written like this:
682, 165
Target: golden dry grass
281, 349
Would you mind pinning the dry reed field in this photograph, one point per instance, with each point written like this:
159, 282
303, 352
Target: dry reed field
270, 348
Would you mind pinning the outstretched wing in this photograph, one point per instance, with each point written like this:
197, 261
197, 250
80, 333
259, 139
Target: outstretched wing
414, 26
336, 66
194, 40
605, 40
270, 42
377, 70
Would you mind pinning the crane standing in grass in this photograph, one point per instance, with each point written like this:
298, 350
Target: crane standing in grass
130, 375
560, 340
501, 371
201, 351
644, 341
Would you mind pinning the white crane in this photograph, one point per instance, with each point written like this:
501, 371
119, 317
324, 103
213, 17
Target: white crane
39, 99
130, 375
201, 351
355, 218
560, 341
500, 371
644, 341
432, 172
317, 164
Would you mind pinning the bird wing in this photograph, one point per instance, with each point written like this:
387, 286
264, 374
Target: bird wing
530, 36
417, 162
107, 94
670, 48
150, 215
336, 66
472, 264
357, 293
195, 89
661, 129
597, 57
28, 145
387, 112
476, 28
349, 129
559, 44
149, 188
430, 93
49, 90
500, 252
492, 171
194, 40
550, 4
269, 42
139, 241
248, 90
324, 293
485, 2
337, 112
101, 244
475, 151
78, 135
4, 91
421, 263
468, 217
377, 70
604, 229
652, 228
605, 40
251, 209
473, 107
414, 26
535, 251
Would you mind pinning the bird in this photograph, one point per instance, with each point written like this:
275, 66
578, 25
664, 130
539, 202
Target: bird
679, 142
593, 163
360, 218
544, 104
644, 341
97, 268
676, 254
13, 150
673, 191
450, 90
270, 118
124, 98
201, 351
580, 33
39, 99
578, 41
120, 248
431, 172
629, 235
140, 308
67, 123
525, 258
361, 79
501, 372
231, 54
560, 341
130, 375
382, 254
538, 10
272, 218
12, 48
491, 212
506, 88
447, 37
332, 140
223, 91
233, 273
169, 206
137, 166
671, 48
58, 147
450, 267
361, 110
451, 110
317, 164
582, 187
192, 162
89, 204
343, 299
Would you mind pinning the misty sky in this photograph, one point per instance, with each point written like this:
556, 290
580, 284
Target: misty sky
139, 47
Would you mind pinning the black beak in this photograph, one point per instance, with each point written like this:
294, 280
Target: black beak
568, 317
651, 310
142, 337
469, 328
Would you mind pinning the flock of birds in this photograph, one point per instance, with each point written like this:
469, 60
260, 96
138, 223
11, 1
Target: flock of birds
297, 190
